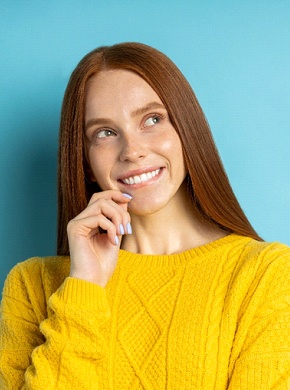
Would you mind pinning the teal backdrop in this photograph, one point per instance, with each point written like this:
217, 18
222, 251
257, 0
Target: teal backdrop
235, 54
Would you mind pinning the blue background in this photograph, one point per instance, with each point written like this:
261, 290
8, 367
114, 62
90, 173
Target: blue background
235, 54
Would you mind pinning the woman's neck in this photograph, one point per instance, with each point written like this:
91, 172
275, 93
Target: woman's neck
171, 230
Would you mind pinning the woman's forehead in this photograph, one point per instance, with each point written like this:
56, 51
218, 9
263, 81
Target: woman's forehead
112, 89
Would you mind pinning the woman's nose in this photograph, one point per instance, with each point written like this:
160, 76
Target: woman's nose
133, 148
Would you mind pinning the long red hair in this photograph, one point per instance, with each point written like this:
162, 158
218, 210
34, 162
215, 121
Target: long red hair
209, 187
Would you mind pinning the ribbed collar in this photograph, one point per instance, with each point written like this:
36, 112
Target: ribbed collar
194, 254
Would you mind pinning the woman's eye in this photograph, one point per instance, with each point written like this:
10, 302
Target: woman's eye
153, 120
105, 133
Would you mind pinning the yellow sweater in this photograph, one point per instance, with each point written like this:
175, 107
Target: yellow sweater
213, 318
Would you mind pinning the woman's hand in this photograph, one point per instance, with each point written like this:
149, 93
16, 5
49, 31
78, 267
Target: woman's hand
94, 236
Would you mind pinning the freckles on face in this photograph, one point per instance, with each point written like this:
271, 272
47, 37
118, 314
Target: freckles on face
102, 160
129, 137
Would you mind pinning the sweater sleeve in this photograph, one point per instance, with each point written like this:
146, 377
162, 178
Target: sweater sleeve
262, 343
65, 348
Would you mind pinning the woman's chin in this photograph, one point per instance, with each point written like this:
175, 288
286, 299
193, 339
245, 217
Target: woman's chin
146, 207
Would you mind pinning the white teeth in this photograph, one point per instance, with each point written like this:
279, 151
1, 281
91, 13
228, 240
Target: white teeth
137, 179
142, 178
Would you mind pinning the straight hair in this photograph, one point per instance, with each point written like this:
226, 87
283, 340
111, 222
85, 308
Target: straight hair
209, 188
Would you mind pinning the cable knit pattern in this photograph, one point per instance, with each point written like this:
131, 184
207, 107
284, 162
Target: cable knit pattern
216, 317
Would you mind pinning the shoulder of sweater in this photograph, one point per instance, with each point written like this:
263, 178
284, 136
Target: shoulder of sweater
266, 252
42, 265
263, 261
38, 273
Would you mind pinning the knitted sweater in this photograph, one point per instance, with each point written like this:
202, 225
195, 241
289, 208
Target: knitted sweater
214, 317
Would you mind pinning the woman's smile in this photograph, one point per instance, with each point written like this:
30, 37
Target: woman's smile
131, 143
134, 178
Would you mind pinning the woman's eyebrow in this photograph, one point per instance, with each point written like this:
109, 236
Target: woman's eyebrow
97, 121
138, 111
148, 107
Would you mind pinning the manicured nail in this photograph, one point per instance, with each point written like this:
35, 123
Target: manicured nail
121, 228
116, 240
129, 228
127, 195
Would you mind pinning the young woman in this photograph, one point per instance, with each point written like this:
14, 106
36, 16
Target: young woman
161, 282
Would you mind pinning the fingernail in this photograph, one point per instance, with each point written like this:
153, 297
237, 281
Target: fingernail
129, 228
127, 195
121, 228
116, 240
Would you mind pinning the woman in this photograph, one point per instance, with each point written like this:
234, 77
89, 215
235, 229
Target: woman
162, 282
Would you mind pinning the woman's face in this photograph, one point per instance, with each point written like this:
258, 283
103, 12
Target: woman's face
131, 144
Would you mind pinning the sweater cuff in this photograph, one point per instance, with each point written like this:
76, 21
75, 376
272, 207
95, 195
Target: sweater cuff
82, 294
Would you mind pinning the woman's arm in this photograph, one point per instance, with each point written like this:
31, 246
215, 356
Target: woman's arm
65, 350
261, 352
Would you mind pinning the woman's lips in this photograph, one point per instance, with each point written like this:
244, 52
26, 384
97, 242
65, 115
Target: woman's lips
141, 178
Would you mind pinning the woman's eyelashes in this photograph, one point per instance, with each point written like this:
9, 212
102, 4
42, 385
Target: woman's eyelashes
149, 121
152, 120
101, 134
104, 133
